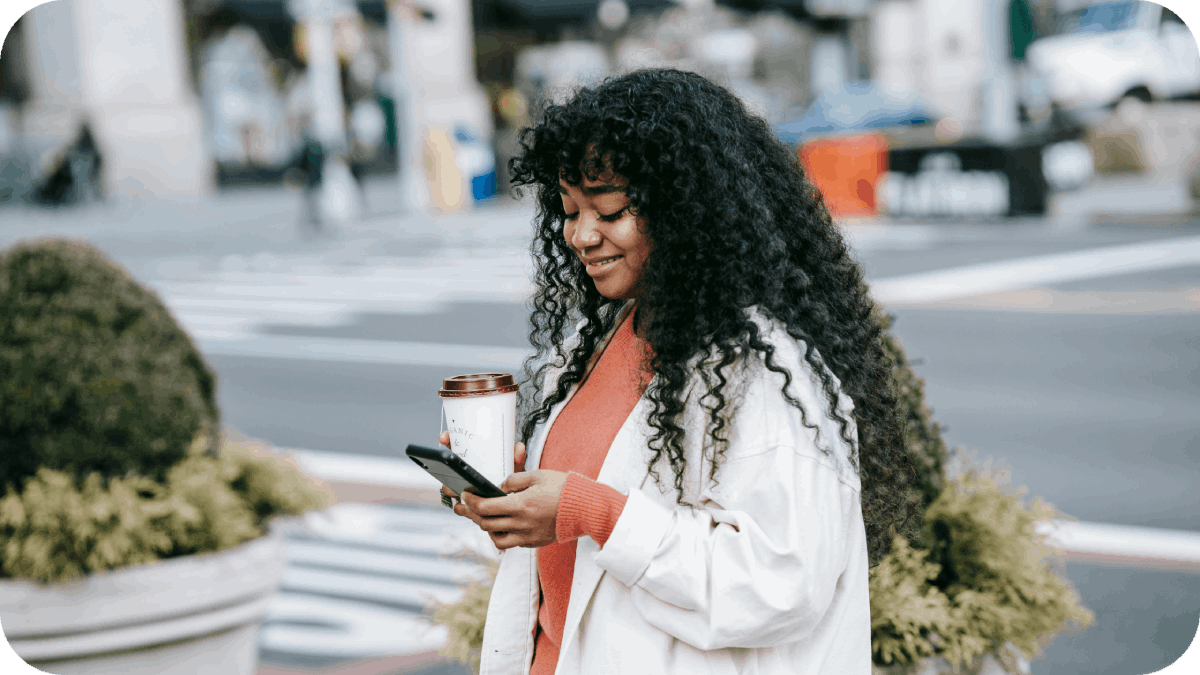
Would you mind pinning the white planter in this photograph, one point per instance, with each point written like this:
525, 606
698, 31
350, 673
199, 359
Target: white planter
181, 616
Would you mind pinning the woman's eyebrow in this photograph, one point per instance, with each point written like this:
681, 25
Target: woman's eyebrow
594, 190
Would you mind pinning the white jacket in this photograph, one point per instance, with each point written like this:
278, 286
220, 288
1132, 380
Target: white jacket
767, 574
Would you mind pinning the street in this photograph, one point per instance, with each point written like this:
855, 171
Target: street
1087, 389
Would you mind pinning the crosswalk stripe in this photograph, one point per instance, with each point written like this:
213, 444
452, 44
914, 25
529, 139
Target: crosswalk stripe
325, 555
360, 579
368, 588
323, 626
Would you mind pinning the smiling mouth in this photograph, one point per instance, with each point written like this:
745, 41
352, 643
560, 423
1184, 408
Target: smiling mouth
606, 261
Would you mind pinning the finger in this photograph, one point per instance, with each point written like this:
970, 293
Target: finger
499, 524
475, 503
444, 438
463, 511
504, 540
519, 457
448, 492
519, 481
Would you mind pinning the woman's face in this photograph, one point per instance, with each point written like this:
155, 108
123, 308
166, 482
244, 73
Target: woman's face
609, 240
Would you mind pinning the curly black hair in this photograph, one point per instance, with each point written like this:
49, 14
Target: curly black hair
732, 223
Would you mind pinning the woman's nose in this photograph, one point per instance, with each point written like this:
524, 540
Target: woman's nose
586, 235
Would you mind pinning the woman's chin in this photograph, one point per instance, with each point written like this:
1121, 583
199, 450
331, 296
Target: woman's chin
614, 291
616, 286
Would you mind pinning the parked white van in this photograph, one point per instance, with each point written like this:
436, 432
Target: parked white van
1104, 52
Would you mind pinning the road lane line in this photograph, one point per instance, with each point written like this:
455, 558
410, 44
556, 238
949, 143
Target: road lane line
1010, 275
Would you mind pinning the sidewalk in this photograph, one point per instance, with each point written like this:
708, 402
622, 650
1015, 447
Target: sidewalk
266, 223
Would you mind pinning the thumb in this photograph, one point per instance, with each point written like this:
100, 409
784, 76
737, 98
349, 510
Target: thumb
519, 457
519, 481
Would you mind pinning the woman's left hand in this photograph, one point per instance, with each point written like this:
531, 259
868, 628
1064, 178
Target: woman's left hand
526, 517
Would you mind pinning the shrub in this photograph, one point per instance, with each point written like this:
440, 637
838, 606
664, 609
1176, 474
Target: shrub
95, 375
987, 583
54, 531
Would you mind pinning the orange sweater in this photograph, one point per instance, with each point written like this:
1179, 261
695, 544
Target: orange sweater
578, 443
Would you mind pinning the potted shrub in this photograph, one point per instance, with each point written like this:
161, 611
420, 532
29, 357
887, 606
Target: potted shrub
972, 589
133, 539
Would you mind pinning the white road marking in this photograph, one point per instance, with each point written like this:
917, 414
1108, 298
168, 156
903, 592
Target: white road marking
1126, 546
321, 626
336, 466
358, 572
325, 555
1009, 275
1177, 301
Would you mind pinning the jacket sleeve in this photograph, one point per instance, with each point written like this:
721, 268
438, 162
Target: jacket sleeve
757, 563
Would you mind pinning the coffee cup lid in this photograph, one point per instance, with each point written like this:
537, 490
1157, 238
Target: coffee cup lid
479, 384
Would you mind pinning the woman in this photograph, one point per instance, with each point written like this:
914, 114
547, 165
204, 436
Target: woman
724, 336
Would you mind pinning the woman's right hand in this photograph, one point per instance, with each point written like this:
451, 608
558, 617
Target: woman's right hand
518, 460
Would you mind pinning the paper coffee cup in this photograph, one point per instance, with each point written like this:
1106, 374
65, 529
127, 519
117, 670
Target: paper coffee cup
480, 413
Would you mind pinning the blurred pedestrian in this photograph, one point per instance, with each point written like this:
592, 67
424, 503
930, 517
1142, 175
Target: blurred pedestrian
725, 336
74, 174
311, 164
368, 129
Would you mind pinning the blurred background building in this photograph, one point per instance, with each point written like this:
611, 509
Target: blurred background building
186, 97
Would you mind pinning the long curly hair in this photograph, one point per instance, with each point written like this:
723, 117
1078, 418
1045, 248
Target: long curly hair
732, 223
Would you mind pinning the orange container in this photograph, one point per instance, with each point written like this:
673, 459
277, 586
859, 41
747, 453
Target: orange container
846, 171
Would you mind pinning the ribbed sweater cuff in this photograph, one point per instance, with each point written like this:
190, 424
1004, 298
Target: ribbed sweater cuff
587, 507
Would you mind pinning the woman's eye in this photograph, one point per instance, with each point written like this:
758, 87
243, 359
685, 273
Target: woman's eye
615, 216
612, 217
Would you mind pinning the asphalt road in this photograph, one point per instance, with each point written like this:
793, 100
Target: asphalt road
1093, 409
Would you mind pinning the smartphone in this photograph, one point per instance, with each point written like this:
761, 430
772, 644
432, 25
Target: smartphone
452, 470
